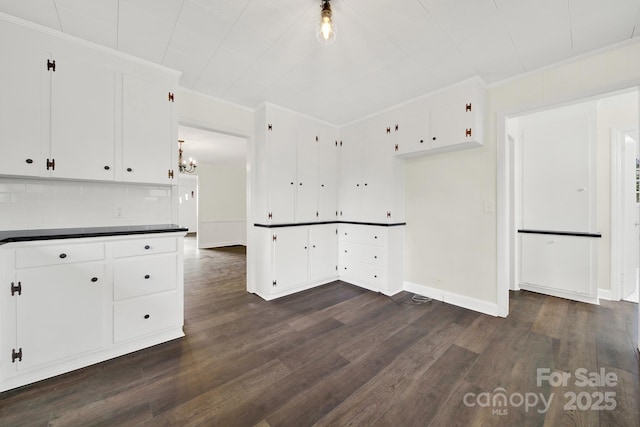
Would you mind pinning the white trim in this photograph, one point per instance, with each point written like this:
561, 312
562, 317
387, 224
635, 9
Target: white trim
64, 36
198, 124
459, 300
297, 113
213, 98
606, 294
564, 62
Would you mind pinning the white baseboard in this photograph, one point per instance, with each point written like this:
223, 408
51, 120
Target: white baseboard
605, 294
481, 306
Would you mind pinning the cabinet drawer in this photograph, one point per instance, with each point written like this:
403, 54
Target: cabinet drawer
136, 277
151, 245
374, 255
363, 234
145, 315
363, 273
58, 254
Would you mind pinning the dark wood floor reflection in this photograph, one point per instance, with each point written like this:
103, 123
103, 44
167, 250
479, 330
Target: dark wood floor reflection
339, 355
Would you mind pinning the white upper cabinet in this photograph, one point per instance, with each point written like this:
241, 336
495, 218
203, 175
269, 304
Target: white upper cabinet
451, 119
74, 110
148, 136
327, 158
413, 129
349, 194
82, 135
295, 168
280, 167
23, 82
371, 179
307, 185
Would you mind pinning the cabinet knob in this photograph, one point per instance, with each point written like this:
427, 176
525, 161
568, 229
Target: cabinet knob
300, 183
434, 138
365, 184
147, 247
291, 182
146, 316
314, 246
29, 161
94, 279
146, 276
305, 247
357, 185
375, 237
107, 168
129, 170
63, 256
422, 141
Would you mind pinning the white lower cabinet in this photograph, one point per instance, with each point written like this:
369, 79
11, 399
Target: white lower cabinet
371, 256
74, 302
294, 258
145, 315
562, 266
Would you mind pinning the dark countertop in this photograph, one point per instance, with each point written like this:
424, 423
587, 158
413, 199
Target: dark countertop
74, 233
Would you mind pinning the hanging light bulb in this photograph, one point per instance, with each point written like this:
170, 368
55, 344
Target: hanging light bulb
326, 30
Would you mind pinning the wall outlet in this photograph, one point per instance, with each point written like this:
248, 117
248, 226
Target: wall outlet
118, 212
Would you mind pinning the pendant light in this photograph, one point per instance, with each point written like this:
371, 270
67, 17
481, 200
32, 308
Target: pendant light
326, 30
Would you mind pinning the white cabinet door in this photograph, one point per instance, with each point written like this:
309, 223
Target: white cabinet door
350, 191
443, 123
290, 258
61, 312
562, 264
147, 132
308, 141
412, 135
323, 259
281, 142
24, 84
328, 177
82, 120
377, 175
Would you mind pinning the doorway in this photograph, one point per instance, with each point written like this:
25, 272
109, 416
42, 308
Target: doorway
221, 185
595, 264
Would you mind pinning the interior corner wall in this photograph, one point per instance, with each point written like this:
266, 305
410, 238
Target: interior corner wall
451, 241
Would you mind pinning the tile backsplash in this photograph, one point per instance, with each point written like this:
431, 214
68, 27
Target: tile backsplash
38, 203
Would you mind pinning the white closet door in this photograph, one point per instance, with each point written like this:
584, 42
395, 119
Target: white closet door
558, 191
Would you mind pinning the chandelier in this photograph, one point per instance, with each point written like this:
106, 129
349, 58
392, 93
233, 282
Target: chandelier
182, 164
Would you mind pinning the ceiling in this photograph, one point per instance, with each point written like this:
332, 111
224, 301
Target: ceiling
387, 51
212, 148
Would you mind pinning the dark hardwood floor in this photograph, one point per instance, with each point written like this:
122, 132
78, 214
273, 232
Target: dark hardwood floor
338, 355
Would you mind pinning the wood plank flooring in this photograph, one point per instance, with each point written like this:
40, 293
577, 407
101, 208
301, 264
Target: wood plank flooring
339, 355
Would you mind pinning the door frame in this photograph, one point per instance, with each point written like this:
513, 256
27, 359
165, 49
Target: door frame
617, 211
505, 208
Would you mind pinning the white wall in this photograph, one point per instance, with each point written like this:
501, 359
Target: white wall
222, 206
451, 244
